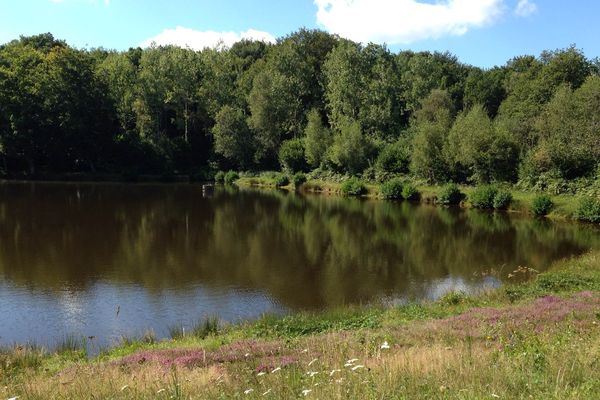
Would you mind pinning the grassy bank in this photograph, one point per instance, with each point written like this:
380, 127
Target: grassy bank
539, 339
564, 207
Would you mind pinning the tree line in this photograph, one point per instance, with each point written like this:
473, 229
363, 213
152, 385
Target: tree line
310, 101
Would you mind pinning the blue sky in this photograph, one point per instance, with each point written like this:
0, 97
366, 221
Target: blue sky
479, 32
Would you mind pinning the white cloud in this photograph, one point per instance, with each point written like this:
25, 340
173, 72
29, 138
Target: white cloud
525, 8
404, 21
198, 40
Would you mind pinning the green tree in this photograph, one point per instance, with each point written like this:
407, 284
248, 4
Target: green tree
477, 152
350, 149
568, 129
363, 84
431, 124
291, 156
119, 74
317, 139
273, 108
232, 137
57, 113
485, 87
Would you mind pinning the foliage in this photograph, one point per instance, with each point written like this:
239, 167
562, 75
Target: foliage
312, 100
432, 124
542, 205
291, 156
232, 137
410, 192
353, 187
451, 195
477, 152
392, 189
483, 196
350, 149
394, 158
502, 200
317, 139
231, 177
281, 180
220, 177
589, 210
299, 179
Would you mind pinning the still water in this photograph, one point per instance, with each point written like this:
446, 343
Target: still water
108, 260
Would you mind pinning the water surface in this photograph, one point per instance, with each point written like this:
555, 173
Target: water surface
107, 260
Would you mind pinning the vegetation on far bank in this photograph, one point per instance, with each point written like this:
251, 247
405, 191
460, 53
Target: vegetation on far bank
534, 339
499, 197
310, 101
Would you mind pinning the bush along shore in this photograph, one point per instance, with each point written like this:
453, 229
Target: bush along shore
539, 338
502, 197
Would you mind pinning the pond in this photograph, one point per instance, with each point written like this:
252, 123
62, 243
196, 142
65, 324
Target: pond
113, 260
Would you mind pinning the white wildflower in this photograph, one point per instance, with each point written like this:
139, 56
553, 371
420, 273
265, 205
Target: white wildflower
261, 374
276, 369
248, 391
311, 373
305, 392
357, 367
385, 346
267, 392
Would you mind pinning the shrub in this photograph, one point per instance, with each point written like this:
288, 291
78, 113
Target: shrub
231, 177
410, 192
281, 180
354, 187
451, 195
502, 200
291, 155
394, 158
589, 210
483, 197
542, 205
220, 177
392, 189
299, 179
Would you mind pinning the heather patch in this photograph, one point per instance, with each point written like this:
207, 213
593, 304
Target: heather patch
243, 351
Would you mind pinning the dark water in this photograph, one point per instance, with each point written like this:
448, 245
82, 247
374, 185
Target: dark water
71, 255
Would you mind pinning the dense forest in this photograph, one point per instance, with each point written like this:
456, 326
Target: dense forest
312, 101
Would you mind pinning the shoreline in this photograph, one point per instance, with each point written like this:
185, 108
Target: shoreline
565, 205
283, 352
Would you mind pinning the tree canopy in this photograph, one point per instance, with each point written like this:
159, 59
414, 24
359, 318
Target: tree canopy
312, 100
